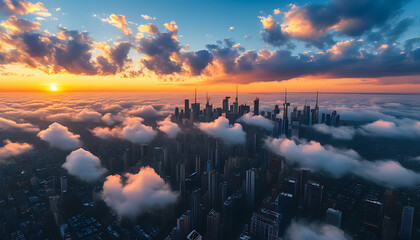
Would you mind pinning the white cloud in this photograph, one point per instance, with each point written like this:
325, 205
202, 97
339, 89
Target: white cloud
312, 231
145, 111
136, 193
257, 120
60, 137
339, 162
7, 124
343, 132
220, 128
84, 165
11, 149
405, 128
132, 129
167, 126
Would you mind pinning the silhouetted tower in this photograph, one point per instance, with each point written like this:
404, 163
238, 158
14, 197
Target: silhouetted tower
209, 107
257, 106
195, 107
286, 105
315, 111
236, 103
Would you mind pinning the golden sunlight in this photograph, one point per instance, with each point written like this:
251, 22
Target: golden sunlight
53, 88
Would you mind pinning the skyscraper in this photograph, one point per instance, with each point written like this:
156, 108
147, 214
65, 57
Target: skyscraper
406, 223
333, 217
265, 225
213, 223
315, 111
250, 187
187, 108
285, 128
236, 103
257, 106
225, 105
194, 235
389, 229
313, 199
195, 108
372, 213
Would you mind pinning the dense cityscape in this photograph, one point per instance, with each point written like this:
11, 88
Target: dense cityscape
213, 183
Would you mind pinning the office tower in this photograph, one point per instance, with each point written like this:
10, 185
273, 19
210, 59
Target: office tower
127, 158
406, 223
257, 106
290, 185
315, 111
63, 184
194, 235
294, 133
187, 108
306, 114
176, 113
195, 205
265, 225
285, 128
213, 222
225, 105
176, 233
372, 213
250, 187
285, 206
304, 175
236, 103
158, 159
195, 108
213, 188
223, 192
333, 217
389, 229
276, 110
313, 199
333, 119
197, 163
209, 107
187, 216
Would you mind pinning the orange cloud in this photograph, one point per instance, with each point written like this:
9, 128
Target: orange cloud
119, 22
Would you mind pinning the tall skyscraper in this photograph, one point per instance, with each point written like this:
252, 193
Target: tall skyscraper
195, 206
333, 217
236, 103
209, 107
250, 187
195, 108
389, 229
225, 105
285, 128
313, 196
285, 206
257, 106
372, 213
265, 225
315, 111
406, 223
187, 108
213, 223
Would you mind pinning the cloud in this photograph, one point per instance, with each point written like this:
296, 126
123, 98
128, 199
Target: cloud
147, 17
257, 120
339, 162
84, 165
314, 231
16, 25
111, 119
272, 32
343, 132
60, 137
11, 149
7, 125
168, 127
405, 128
133, 194
119, 22
146, 111
220, 128
87, 115
132, 129
22, 7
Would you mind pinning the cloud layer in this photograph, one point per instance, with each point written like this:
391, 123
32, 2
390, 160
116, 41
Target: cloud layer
84, 165
339, 162
133, 194
314, 231
170, 128
11, 149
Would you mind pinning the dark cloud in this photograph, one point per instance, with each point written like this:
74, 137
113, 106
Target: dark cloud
197, 61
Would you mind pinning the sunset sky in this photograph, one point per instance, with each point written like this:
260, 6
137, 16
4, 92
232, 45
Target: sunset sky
167, 45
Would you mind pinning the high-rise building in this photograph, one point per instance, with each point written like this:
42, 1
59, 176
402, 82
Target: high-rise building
213, 188
250, 187
406, 223
225, 105
265, 225
372, 213
315, 111
213, 223
209, 107
389, 229
195, 108
187, 108
285, 206
194, 235
313, 199
195, 206
333, 217
285, 128
236, 103
257, 106
63, 184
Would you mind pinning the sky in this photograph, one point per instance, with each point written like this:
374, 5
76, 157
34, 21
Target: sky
176, 46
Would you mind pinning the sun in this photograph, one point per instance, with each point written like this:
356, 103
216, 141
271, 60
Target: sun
53, 88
